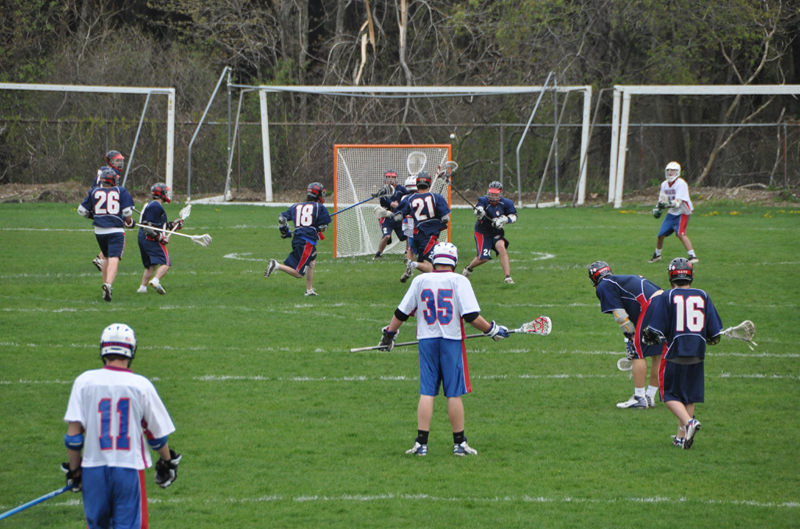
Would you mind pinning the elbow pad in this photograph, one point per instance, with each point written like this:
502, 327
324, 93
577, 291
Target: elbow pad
400, 315
512, 218
156, 444
621, 317
75, 442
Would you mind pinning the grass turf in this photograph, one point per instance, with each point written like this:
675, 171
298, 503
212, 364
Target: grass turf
281, 426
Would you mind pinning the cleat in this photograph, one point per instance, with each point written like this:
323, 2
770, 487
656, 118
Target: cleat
142, 290
271, 267
418, 449
508, 280
98, 263
311, 292
654, 259
156, 284
692, 428
634, 402
678, 441
377, 256
409, 271
107, 290
651, 402
464, 449
467, 271
693, 259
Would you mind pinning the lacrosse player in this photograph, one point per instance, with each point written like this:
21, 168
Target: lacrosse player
390, 203
153, 244
115, 161
675, 196
443, 301
628, 297
408, 220
493, 212
430, 214
686, 320
112, 415
310, 219
111, 207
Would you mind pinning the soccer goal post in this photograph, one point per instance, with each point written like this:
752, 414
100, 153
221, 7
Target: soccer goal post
358, 173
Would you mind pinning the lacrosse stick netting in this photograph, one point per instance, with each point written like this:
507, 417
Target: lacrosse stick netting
745, 331
416, 162
541, 326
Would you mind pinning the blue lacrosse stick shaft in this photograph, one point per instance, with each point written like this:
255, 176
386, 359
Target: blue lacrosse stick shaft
354, 205
34, 502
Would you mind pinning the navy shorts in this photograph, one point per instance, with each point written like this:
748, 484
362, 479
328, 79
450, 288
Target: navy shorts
485, 244
114, 494
303, 254
111, 244
443, 362
388, 225
422, 247
674, 224
153, 252
681, 382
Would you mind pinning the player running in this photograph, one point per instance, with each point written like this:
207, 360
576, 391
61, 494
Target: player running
390, 203
152, 243
628, 297
112, 415
493, 211
115, 161
111, 207
443, 301
310, 219
430, 214
675, 196
685, 318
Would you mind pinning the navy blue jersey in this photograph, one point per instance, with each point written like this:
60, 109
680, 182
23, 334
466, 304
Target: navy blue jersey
505, 206
109, 206
628, 292
427, 209
399, 193
308, 218
153, 214
686, 319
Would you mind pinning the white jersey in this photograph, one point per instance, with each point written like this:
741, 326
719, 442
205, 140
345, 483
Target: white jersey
117, 409
440, 298
678, 190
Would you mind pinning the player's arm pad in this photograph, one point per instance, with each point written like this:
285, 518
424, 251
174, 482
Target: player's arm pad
155, 444
624, 322
75, 442
472, 316
400, 315
512, 218
714, 340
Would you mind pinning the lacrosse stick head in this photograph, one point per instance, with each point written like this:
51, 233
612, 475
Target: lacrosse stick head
623, 364
202, 240
745, 331
184, 213
541, 326
416, 162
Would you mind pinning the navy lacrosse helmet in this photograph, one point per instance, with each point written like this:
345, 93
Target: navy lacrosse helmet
390, 177
494, 192
115, 159
108, 176
316, 191
598, 270
423, 179
162, 191
680, 269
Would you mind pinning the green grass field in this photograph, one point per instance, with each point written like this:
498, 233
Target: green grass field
281, 426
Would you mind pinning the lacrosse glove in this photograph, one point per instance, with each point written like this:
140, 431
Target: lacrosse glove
630, 347
497, 332
73, 477
285, 232
657, 212
480, 212
649, 337
500, 221
387, 340
167, 471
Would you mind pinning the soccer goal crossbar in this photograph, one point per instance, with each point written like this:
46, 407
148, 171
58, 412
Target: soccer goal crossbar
623, 94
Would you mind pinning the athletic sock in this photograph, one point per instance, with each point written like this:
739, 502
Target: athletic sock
651, 392
691, 253
414, 264
639, 392
658, 252
422, 437
458, 437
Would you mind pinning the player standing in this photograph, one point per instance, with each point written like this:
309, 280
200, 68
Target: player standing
493, 211
310, 219
115, 161
153, 244
390, 203
430, 214
628, 297
675, 196
685, 318
408, 220
111, 207
110, 415
443, 301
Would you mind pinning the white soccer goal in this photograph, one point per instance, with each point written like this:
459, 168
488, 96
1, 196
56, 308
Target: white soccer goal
358, 173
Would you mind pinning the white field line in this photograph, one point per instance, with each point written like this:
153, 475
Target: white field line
399, 497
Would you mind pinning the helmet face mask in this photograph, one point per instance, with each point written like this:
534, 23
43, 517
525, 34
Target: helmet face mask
680, 269
118, 339
423, 180
115, 159
598, 270
162, 191
390, 177
445, 253
495, 192
672, 171
411, 183
316, 191
109, 176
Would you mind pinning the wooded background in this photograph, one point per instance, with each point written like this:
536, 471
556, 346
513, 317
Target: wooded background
185, 44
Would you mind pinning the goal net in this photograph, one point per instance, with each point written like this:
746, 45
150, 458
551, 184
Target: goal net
358, 173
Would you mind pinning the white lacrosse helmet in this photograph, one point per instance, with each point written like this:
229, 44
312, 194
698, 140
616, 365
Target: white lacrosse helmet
672, 171
445, 253
118, 339
411, 183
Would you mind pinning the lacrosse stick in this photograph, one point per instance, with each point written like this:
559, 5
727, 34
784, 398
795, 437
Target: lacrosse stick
182, 215
745, 331
541, 326
202, 240
623, 364
36, 501
416, 162
385, 191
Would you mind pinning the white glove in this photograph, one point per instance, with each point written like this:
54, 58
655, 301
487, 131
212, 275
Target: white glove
497, 332
500, 221
380, 212
480, 212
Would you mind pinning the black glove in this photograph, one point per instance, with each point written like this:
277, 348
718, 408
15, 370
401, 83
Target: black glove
285, 232
657, 212
73, 477
649, 337
167, 471
630, 346
387, 341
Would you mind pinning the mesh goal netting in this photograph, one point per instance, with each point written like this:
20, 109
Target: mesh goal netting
358, 173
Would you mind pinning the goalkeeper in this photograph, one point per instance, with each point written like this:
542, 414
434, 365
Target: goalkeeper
493, 212
675, 196
390, 203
